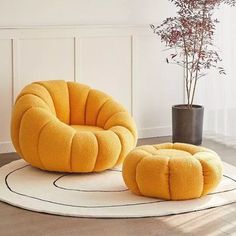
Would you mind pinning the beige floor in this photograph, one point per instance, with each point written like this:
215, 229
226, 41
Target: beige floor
218, 221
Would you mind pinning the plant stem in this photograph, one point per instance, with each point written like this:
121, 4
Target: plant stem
199, 54
186, 70
193, 61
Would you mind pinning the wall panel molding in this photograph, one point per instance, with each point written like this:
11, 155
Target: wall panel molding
15, 79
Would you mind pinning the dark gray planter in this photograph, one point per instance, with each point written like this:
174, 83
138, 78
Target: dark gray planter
187, 124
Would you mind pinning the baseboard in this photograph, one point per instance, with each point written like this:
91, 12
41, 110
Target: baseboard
6, 147
229, 141
155, 132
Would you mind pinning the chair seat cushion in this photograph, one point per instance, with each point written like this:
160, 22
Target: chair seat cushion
86, 128
172, 171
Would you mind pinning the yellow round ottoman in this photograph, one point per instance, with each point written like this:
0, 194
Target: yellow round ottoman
69, 127
172, 171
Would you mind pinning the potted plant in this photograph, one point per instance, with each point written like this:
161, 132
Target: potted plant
190, 36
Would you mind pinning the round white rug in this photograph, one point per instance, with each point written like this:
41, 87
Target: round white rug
97, 195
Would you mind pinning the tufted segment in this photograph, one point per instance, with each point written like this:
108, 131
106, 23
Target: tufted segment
34, 119
84, 152
40, 92
78, 94
58, 91
172, 171
108, 109
122, 119
69, 127
95, 102
22, 105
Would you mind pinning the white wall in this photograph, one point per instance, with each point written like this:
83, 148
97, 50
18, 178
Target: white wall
82, 12
124, 61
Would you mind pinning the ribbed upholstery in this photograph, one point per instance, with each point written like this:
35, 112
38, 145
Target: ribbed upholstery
170, 171
69, 127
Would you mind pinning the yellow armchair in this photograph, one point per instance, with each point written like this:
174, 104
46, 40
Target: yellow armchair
69, 127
